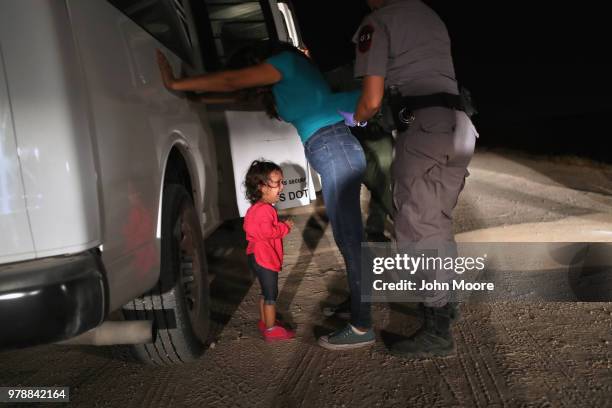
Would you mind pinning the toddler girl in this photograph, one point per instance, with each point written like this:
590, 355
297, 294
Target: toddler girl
264, 233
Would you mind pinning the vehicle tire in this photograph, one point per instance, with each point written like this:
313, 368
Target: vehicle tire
179, 303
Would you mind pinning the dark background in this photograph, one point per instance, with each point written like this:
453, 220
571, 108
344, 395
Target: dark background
539, 72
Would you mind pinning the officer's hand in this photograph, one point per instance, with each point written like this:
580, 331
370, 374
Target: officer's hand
349, 119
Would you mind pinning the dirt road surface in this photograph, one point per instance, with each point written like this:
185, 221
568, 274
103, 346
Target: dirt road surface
508, 354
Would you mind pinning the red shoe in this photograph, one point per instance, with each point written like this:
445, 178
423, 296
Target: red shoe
262, 326
278, 333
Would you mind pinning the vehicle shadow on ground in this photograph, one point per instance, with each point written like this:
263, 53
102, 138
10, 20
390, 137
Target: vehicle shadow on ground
230, 279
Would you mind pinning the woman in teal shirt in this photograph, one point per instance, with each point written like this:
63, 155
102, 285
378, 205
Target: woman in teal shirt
295, 91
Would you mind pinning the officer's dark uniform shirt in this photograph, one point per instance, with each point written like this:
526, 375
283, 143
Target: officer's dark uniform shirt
407, 43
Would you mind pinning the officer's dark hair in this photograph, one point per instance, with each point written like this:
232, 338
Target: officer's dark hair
256, 53
257, 176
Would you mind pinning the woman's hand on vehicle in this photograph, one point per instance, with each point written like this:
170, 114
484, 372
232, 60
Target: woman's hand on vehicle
165, 69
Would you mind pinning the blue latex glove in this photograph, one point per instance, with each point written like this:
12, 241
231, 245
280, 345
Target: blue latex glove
349, 119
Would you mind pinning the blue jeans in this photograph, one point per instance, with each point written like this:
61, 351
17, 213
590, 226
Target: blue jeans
339, 159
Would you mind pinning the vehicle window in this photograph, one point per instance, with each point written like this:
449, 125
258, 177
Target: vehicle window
234, 24
166, 20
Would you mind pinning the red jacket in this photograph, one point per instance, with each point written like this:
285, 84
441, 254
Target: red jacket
265, 235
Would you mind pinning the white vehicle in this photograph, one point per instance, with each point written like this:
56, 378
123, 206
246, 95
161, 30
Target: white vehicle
109, 182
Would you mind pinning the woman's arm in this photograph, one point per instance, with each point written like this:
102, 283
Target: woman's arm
216, 98
222, 81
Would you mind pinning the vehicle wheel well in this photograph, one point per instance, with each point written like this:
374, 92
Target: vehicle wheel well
177, 171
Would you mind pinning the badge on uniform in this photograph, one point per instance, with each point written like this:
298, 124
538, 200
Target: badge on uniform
365, 38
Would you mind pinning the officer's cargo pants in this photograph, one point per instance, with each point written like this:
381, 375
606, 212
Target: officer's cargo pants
429, 171
377, 178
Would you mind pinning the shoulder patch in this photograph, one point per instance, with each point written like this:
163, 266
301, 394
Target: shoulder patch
365, 38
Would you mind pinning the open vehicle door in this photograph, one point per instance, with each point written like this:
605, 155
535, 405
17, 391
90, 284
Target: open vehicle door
251, 133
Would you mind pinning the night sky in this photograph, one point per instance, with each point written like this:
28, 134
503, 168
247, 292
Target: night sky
540, 72
327, 28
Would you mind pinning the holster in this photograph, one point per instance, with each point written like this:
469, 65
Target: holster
394, 100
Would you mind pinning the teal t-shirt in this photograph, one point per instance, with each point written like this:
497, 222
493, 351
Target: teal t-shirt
303, 97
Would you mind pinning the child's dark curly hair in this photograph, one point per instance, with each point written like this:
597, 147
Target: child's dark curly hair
257, 175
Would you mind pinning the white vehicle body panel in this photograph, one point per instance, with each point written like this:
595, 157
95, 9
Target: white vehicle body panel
137, 122
15, 237
51, 127
89, 133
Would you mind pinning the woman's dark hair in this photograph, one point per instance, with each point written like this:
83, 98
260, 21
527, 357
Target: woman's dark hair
256, 53
257, 176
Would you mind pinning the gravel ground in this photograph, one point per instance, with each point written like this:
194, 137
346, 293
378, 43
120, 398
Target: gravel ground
537, 354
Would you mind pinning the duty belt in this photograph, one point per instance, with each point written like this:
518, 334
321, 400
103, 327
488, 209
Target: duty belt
402, 107
441, 99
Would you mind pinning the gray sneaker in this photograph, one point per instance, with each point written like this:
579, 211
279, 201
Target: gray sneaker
347, 339
342, 310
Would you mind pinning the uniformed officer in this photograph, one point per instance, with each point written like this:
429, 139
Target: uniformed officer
403, 48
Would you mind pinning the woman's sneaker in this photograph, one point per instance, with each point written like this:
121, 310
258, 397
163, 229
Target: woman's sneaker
342, 310
278, 333
261, 325
346, 339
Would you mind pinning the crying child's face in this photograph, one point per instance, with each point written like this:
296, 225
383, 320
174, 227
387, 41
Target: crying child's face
270, 192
